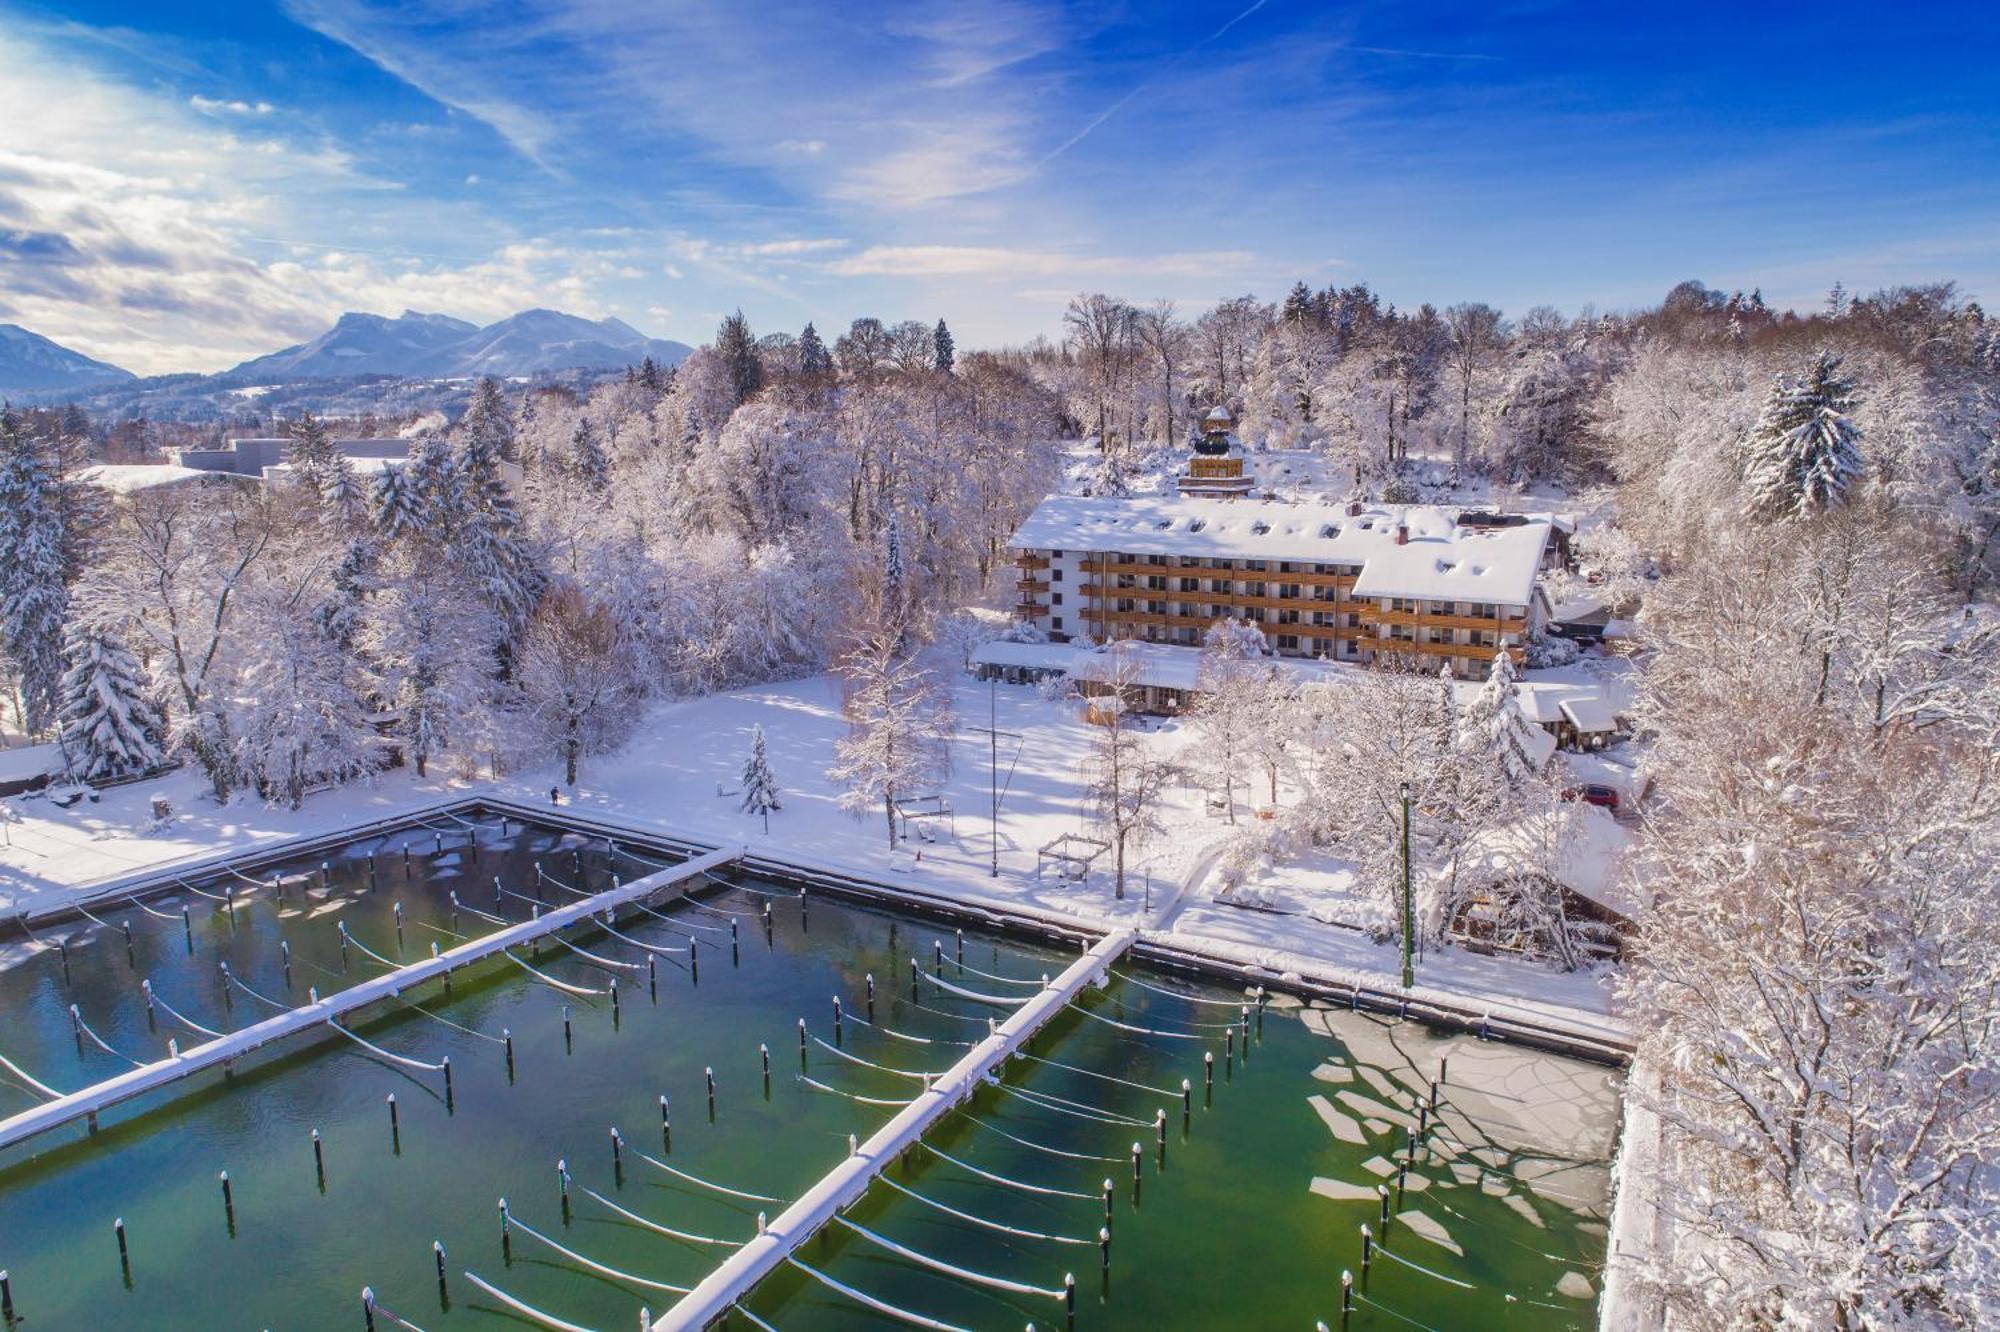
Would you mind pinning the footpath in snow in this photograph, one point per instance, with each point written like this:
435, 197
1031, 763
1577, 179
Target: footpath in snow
678, 776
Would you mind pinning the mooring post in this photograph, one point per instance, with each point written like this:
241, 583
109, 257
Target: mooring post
1109, 1193
614, 1001
961, 952
569, 1044
368, 1307
652, 978
802, 906
916, 977
694, 960
285, 952
507, 1041
506, 1240
62, 948
6, 1298
228, 993
666, 1126
444, 1291
871, 996
446, 1061
395, 1127
1382, 1191
562, 1181
735, 954
399, 928
342, 927
124, 1253
1346, 1297
1104, 1245
1160, 1132
937, 958
836, 1023
76, 1028
228, 1203
1229, 1052
709, 1074
802, 1043
187, 928
1069, 1297
1367, 1248
1138, 1170
319, 1160
131, 959
1187, 1105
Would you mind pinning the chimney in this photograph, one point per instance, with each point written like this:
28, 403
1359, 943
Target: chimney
1402, 532
1354, 508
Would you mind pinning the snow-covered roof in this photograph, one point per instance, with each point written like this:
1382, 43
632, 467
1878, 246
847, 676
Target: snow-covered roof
131, 478
1220, 415
1132, 662
1588, 860
28, 761
1590, 714
1030, 656
1441, 560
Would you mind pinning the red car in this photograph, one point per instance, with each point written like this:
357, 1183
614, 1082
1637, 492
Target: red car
1593, 793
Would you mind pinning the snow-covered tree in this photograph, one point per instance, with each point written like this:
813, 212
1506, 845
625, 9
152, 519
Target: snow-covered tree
110, 727
760, 787
397, 510
815, 361
430, 643
33, 600
312, 455
1804, 453
1494, 732
1125, 781
736, 346
574, 676
1230, 696
586, 462
295, 700
943, 356
899, 730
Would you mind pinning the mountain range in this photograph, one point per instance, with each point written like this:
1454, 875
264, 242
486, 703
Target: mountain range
435, 346
31, 363
412, 346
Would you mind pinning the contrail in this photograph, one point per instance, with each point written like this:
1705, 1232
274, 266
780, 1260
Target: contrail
1142, 85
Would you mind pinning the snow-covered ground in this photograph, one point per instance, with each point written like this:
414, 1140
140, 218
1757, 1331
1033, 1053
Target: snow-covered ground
678, 773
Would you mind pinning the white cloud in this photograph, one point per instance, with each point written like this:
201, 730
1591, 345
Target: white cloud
217, 107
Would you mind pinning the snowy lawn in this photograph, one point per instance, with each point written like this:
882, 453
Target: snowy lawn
667, 777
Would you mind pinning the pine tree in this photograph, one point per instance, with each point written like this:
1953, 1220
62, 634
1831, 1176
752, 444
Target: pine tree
814, 359
737, 346
760, 788
586, 461
33, 601
397, 515
941, 341
1804, 453
1493, 729
312, 454
110, 727
1299, 305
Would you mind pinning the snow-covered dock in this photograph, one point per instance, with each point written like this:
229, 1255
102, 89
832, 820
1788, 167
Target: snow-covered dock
329, 1010
846, 1182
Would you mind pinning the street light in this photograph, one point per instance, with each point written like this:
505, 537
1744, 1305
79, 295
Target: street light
1409, 914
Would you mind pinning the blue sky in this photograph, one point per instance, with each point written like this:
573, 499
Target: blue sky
183, 185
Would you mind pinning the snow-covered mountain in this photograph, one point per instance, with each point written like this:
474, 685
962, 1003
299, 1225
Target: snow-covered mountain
437, 346
30, 362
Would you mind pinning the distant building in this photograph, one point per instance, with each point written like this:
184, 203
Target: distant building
1353, 582
1216, 467
264, 458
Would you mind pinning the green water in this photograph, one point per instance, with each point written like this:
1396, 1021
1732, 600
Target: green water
1229, 1233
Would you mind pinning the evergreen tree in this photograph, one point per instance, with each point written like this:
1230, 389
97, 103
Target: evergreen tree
1804, 452
33, 601
312, 454
1492, 728
941, 341
1299, 306
760, 788
586, 461
85, 509
650, 377
814, 359
737, 346
397, 514
110, 727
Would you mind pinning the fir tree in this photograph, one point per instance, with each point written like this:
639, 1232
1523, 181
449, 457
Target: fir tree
941, 341
311, 454
110, 727
737, 346
33, 601
1299, 306
586, 461
1804, 452
397, 515
1493, 728
650, 377
814, 359
760, 788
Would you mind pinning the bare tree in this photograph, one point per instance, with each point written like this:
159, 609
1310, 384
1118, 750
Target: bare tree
1475, 333
573, 672
1165, 338
1125, 780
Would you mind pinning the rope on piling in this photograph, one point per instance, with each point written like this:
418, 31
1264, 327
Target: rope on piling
984, 1222
184, 1020
882, 1307
1144, 1031
592, 1264
1011, 1183
390, 1055
1000, 1000
949, 1269
656, 1227
527, 1311
594, 959
1040, 1147
1062, 1106
819, 1086
1093, 1073
33, 1083
549, 980
922, 1077
99, 1041
661, 949
706, 1183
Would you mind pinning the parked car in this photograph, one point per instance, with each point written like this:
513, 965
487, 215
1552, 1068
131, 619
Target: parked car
1594, 793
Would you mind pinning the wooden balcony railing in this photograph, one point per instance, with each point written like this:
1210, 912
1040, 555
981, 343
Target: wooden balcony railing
1031, 585
1371, 613
1032, 562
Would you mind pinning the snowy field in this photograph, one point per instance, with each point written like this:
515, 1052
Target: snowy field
678, 775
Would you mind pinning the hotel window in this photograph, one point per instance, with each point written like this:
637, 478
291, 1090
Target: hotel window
1289, 590
1187, 636
1485, 610
1254, 614
1322, 618
1288, 642
1156, 608
1155, 583
1056, 599
1190, 584
1056, 623
1055, 575
1288, 617
1401, 633
1254, 589
1405, 604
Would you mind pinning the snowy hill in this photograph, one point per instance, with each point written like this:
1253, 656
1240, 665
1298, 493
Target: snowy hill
29, 361
438, 346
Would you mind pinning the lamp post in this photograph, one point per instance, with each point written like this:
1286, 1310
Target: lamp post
1409, 914
993, 764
